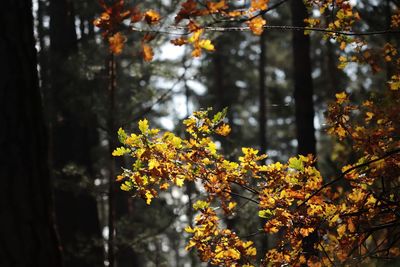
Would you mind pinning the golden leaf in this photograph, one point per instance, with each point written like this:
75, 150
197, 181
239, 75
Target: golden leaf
151, 17
257, 25
116, 43
147, 52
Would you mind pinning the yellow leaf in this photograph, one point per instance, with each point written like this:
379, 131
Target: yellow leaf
164, 186
231, 205
179, 182
341, 97
120, 151
341, 230
200, 204
125, 187
232, 253
153, 163
369, 116
223, 130
189, 229
149, 196
306, 231
207, 45
143, 126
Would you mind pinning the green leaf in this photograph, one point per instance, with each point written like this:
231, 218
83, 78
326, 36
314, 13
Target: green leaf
122, 135
219, 116
296, 163
265, 214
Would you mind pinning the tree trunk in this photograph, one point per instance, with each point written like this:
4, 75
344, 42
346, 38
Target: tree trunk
72, 141
303, 86
303, 96
262, 116
27, 232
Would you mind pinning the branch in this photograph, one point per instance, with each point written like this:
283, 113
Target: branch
388, 154
181, 30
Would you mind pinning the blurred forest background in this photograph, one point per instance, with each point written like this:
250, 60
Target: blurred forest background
257, 78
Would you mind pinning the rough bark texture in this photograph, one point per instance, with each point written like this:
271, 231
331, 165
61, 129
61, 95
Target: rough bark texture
27, 234
303, 86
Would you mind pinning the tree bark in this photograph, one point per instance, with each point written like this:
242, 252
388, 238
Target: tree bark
303, 86
27, 232
303, 97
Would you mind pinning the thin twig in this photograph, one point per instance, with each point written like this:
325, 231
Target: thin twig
388, 154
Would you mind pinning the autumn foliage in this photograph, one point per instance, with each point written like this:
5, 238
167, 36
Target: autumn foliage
352, 222
352, 217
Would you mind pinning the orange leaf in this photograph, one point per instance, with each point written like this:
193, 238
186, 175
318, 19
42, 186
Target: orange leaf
116, 43
179, 41
151, 17
147, 52
257, 25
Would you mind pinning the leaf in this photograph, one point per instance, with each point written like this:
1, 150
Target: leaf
207, 45
179, 182
266, 214
116, 43
147, 52
341, 230
231, 205
143, 126
296, 163
122, 135
341, 97
153, 163
259, 4
257, 25
223, 130
179, 41
151, 17
149, 196
216, 7
200, 204
189, 229
219, 116
120, 151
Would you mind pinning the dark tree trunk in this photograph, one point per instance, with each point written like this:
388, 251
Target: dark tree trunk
73, 137
303, 86
27, 233
262, 116
303, 97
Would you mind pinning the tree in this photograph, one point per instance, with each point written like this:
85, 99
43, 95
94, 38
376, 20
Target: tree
349, 219
303, 84
27, 226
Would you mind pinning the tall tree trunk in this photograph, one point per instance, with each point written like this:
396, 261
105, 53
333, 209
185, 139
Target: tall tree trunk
73, 139
303, 86
303, 96
262, 116
27, 232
